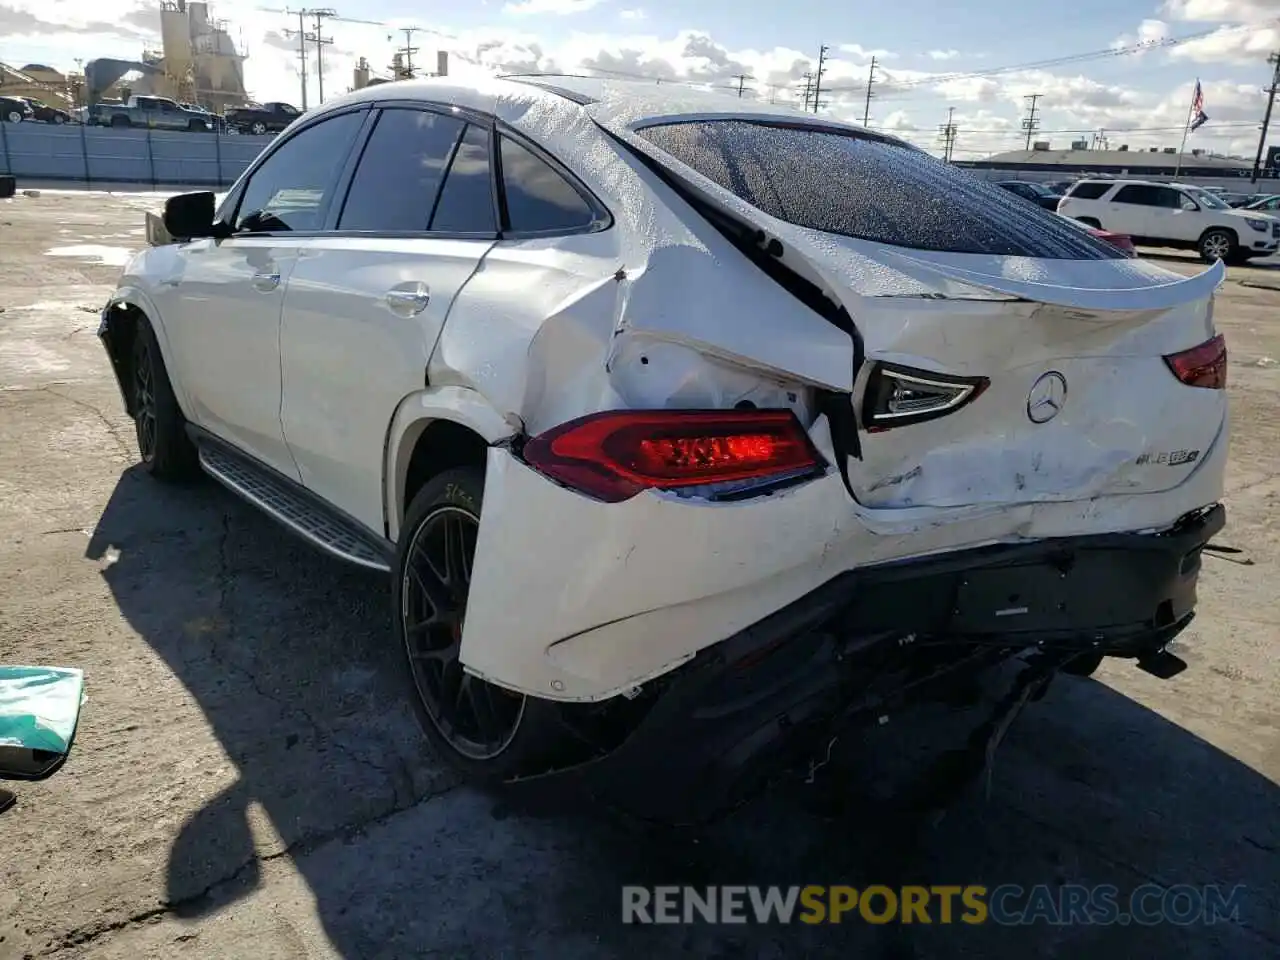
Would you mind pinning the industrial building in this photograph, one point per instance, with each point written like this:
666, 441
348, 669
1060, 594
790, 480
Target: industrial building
1042, 163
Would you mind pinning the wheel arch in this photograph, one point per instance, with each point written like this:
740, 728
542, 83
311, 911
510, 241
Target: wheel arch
117, 332
433, 430
1219, 228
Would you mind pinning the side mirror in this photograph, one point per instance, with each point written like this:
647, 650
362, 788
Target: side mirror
189, 216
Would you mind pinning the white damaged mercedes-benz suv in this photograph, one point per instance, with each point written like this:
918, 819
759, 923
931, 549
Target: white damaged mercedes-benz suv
691, 430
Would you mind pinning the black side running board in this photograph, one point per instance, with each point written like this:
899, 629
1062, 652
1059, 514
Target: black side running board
291, 504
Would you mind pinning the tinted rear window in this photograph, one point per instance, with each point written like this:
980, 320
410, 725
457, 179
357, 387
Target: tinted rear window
1088, 191
857, 186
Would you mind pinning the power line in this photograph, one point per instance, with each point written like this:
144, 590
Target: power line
742, 78
1031, 124
871, 79
1266, 119
1108, 53
817, 83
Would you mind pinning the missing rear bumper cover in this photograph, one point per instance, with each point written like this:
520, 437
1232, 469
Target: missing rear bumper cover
770, 696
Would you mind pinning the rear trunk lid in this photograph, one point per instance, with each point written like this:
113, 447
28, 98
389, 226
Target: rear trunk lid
1050, 316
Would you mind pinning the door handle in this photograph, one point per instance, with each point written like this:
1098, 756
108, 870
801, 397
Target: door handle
409, 299
266, 281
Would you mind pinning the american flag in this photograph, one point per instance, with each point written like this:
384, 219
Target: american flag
1198, 116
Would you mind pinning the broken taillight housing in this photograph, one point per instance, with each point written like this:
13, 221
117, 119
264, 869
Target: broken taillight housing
616, 454
897, 396
1204, 365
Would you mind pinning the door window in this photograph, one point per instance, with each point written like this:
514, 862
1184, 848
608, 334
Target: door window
401, 171
292, 188
466, 199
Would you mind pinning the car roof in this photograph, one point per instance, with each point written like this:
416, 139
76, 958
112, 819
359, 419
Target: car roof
614, 103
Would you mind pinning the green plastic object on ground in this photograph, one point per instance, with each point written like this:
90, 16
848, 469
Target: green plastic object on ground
39, 710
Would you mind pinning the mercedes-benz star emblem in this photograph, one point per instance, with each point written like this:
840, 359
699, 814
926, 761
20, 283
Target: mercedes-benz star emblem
1047, 396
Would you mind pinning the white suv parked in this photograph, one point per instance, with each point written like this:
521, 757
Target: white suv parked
1171, 215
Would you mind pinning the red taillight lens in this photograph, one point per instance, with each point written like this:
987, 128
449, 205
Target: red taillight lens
614, 455
1202, 366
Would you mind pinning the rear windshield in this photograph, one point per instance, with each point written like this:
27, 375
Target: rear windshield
859, 186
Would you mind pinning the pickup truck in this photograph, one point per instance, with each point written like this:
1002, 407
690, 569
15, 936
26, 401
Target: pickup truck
260, 118
157, 113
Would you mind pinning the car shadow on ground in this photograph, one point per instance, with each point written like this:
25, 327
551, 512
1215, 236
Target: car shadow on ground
286, 652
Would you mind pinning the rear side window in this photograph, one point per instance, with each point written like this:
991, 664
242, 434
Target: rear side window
859, 186
400, 172
1144, 195
539, 199
1088, 191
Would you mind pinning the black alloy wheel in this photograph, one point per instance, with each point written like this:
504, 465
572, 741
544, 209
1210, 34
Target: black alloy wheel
476, 718
144, 399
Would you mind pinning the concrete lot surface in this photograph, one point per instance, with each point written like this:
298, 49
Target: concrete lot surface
247, 782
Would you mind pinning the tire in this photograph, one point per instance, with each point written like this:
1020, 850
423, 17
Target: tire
258, 129
1217, 245
59, 119
164, 449
1090, 222
119, 121
13, 116
195, 126
528, 735
1084, 665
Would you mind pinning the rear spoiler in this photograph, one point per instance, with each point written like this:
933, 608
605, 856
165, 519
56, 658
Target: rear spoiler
1152, 294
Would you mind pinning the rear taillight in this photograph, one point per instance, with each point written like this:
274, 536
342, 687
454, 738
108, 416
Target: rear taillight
897, 396
615, 455
1202, 366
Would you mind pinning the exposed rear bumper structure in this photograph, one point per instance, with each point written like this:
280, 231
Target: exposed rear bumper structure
876, 640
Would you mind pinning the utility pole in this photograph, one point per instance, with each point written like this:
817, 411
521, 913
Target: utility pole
742, 78
1266, 119
808, 89
303, 37
871, 79
947, 134
817, 83
320, 40
1031, 124
408, 50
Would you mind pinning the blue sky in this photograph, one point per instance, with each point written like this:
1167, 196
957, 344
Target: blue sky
1139, 98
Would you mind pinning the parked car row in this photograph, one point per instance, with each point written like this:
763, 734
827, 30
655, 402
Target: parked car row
163, 113
1177, 216
1164, 214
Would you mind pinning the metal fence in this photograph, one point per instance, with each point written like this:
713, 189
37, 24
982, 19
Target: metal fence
72, 152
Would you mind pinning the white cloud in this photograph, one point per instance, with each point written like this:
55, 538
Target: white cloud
912, 103
1221, 11
636, 14
1247, 44
558, 7
863, 53
943, 54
